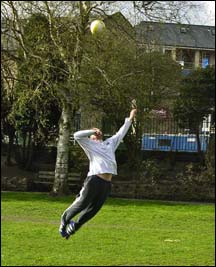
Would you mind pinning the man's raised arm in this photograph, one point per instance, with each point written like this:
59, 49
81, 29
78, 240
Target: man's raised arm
116, 139
83, 134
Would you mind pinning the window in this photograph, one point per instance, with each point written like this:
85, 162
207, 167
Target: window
183, 30
204, 59
185, 57
164, 142
150, 27
168, 52
190, 139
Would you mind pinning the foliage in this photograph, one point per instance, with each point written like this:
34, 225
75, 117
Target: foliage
109, 56
7, 127
151, 171
6, 105
196, 99
36, 108
208, 173
125, 76
118, 73
194, 176
52, 50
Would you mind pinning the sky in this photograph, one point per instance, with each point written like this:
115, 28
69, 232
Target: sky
205, 15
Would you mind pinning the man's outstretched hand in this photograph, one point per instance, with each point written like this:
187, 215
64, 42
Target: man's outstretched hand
133, 113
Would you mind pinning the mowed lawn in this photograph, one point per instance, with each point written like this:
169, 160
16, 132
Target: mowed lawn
124, 232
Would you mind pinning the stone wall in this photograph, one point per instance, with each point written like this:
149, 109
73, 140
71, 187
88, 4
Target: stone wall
14, 183
158, 180
165, 190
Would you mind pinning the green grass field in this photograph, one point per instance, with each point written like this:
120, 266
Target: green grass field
123, 233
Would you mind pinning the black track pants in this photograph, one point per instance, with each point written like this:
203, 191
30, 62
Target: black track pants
88, 202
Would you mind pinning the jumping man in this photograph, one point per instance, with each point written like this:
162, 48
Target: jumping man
97, 185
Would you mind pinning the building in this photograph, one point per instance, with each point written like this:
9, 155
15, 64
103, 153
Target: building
191, 45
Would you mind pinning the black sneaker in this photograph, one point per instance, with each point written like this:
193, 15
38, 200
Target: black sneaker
70, 229
62, 230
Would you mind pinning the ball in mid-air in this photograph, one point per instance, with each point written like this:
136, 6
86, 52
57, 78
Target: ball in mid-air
97, 26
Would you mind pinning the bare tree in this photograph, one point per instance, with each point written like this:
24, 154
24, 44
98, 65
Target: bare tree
68, 23
165, 11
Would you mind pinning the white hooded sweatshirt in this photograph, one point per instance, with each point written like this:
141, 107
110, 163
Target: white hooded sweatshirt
101, 154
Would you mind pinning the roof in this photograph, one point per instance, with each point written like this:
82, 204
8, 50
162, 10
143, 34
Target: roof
179, 35
118, 20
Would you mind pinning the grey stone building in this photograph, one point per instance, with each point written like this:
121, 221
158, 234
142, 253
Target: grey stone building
191, 45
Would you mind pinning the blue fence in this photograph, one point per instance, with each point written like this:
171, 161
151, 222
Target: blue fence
172, 142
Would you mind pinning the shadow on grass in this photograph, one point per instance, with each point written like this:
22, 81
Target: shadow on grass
34, 196
45, 197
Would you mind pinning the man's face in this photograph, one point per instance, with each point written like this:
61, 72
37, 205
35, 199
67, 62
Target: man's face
97, 136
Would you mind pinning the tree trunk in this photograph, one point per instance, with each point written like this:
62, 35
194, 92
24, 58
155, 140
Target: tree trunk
24, 135
10, 147
134, 147
199, 145
30, 150
60, 186
198, 142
